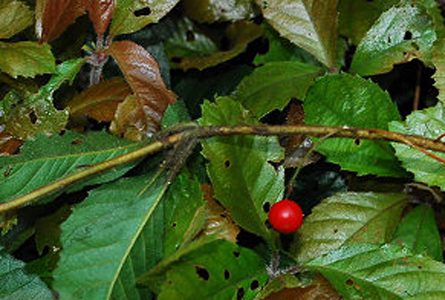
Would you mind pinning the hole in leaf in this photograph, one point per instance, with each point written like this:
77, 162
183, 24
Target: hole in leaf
419, 267
405, 53
236, 254
169, 282
254, 285
223, 215
266, 207
174, 225
408, 35
142, 12
350, 282
335, 230
357, 142
190, 36
415, 46
76, 142
226, 274
240, 294
33, 117
202, 272
389, 40
227, 163
176, 59
7, 172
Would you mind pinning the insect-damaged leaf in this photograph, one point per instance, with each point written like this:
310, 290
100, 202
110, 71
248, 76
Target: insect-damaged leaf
310, 24
140, 115
100, 101
14, 17
54, 16
100, 12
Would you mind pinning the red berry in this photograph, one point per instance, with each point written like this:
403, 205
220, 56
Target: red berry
285, 216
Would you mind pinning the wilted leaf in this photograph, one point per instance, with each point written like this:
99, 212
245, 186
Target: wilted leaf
47, 159
26, 59
310, 24
218, 270
100, 12
54, 16
140, 115
240, 34
131, 16
240, 167
345, 100
209, 11
418, 231
27, 115
273, 85
399, 35
365, 271
14, 17
8, 144
348, 218
17, 283
429, 123
100, 101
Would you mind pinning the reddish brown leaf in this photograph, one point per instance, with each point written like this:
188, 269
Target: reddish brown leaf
54, 16
8, 144
100, 101
145, 109
101, 12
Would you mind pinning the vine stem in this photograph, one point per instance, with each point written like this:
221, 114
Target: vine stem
202, 132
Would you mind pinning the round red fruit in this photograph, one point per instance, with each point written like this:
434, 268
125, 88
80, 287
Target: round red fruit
286, 216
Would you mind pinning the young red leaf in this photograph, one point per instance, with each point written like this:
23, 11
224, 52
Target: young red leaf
145, 109
54, 16
8, 144
101, 12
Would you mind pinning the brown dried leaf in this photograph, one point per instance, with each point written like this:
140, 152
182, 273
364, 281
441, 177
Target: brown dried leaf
101, 12
141, 113
8, 144
54, 16
218, 221
100, 101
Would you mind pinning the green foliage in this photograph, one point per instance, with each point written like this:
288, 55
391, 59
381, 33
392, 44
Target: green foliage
240, 167
428, 123
209, 11
14, 17
18, 284
345, 100
399, 35
418, 231
348, 218
439, 63
50, 158
365, 271
273, 85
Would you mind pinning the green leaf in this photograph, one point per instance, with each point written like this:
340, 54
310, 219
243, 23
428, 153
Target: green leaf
418, 231
130, 16
381, 272
286, 281
348, 218
429, 123
439, 64
26, 59
47, 230
50, 158
219, 270
356, 17
17, 284
14, 17
273, 85
120, 232
345, 100
310, 24
175, 113
240, 167
210, 11
399, 35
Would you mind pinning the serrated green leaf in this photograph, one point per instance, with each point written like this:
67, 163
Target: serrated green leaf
399, 35
418, 231
345, 100
17, 284
175, 113
310, 24
120, 232
219, 270
50, 158
210, 11
130, 16
26, 59
240, 167
375, 272
348, 218
273, 85
14, 17
429, 123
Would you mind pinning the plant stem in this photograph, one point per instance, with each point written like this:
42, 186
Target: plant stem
418, 142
